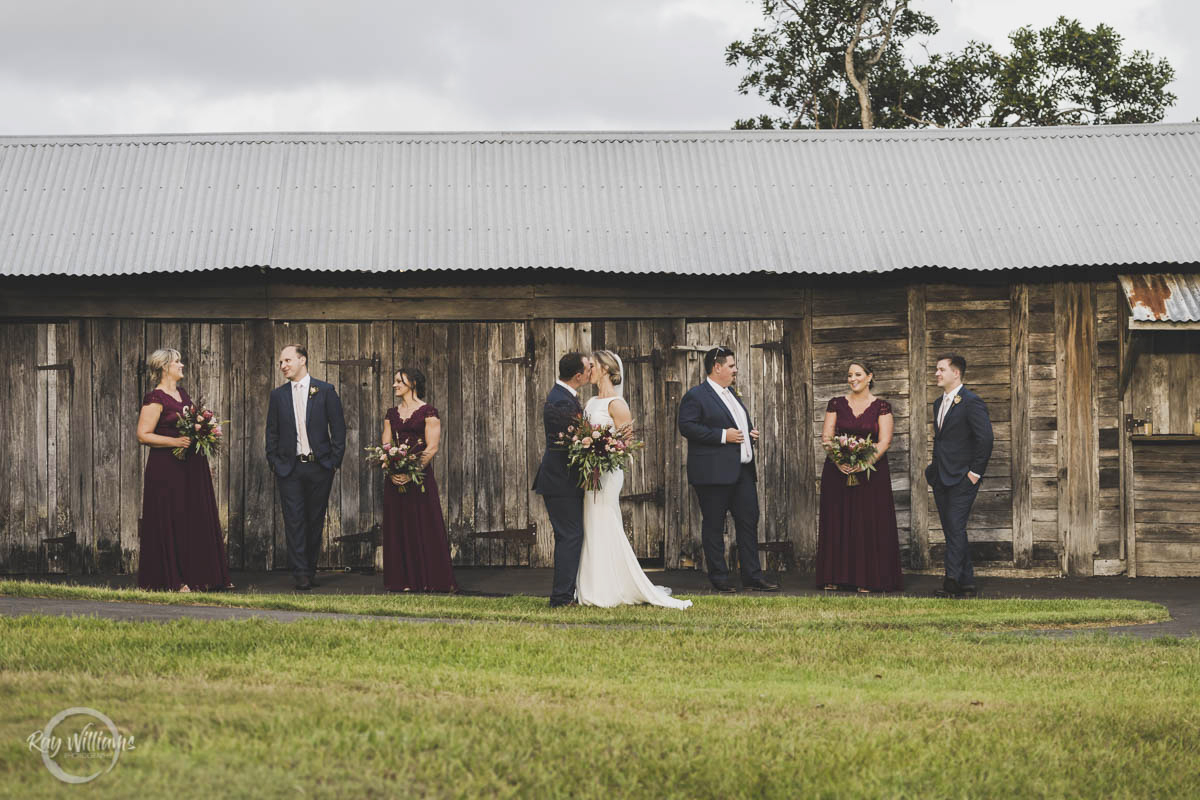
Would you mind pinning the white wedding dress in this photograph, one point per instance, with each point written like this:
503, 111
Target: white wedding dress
609, 572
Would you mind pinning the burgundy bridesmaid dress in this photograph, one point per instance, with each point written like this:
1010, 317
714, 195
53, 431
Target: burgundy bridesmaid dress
857, 544
416, 552
181, 541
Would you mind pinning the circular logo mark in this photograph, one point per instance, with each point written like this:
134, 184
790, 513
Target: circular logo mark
87, 742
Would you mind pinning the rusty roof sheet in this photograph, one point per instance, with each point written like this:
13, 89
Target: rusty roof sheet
1163, 297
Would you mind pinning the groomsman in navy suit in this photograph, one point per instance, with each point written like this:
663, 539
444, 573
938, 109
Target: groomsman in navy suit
962, 445
306, 440
720, 465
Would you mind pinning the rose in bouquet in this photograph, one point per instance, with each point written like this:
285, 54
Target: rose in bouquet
198, 423
596, 449
400, 459
854, 452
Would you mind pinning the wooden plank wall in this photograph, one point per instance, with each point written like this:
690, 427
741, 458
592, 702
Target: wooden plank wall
1165, 386
975, 322
1167, 497
848, 324
1043, 356
1162, 497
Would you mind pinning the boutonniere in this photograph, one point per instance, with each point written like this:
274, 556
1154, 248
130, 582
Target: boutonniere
957, 399
735, 391
312, 392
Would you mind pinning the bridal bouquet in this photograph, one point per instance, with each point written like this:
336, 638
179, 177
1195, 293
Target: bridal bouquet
853, 451
596, 449
198, 423
399, 459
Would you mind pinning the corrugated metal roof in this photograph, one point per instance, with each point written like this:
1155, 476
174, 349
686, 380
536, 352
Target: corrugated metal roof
699, 203
1163, 298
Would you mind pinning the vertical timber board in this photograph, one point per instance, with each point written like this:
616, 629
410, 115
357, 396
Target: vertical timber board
455, 439
1125, 408
676, 493
237, 439
259, 359
83, 443
110, 427
10, 546
511, 414
23, 400
353, 389
799, 457
51, 442
539, 378
1075, 338
43, 417
325, 345
374, 338
1022, 465
213, 390
918, 427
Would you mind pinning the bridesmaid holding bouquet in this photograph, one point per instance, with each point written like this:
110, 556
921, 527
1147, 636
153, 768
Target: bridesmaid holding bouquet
416, 551
182, 548
857, 543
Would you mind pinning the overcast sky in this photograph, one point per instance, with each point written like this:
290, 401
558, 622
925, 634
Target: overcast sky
134, 66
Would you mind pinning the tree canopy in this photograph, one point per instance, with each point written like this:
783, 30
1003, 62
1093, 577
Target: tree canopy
850, 63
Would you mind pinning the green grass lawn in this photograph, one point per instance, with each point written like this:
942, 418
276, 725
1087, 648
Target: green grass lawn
753, 697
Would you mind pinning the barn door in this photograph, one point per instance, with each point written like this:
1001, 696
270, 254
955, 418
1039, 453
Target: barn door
764, 384
644, 346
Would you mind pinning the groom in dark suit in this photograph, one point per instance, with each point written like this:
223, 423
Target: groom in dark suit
962, 445
306, 439
720, 465
557, 483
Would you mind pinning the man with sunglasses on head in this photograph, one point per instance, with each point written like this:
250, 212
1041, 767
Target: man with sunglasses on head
721, 467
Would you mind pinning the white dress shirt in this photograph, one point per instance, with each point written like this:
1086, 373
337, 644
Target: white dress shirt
300, 407
574, 393
739, 417
944, 409
947, 401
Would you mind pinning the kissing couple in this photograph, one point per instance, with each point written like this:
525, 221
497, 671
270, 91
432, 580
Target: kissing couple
594, 564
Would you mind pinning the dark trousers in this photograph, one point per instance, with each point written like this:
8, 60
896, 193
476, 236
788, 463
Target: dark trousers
304, 497
741, 500
954, 507
566, 517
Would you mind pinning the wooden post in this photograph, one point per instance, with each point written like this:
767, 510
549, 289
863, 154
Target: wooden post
918, 442
1022, 436
1126, 358
799, 457
1078, 448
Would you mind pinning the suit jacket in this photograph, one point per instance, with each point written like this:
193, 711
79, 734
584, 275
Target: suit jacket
325, 424
703, 415
554, 476
964, 442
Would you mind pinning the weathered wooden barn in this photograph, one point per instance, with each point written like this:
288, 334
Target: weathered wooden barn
1061, 262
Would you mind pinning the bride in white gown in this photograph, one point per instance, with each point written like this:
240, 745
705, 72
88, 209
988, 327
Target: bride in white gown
609, 572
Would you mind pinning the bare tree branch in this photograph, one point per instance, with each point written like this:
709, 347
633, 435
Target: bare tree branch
887, 32
860, 85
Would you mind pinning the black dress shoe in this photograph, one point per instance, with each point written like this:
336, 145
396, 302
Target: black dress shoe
303, 584
313, 582
560, 604
950, 588
761, 585
968, 592
721, 586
